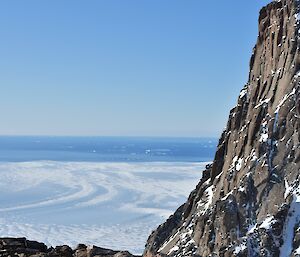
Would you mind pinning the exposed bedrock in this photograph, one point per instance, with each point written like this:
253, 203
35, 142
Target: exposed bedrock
20, 247
248, 201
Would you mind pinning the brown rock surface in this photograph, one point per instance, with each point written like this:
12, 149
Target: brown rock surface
20, 247
248, 201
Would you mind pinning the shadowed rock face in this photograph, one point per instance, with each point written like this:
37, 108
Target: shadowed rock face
248, 201
20, 247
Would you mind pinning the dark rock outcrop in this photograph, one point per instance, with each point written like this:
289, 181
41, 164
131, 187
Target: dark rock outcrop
248, 201
20, 247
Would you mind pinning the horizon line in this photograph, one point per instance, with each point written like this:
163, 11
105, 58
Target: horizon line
109, 136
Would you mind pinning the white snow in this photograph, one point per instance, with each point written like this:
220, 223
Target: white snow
206, 200
243, 128
288, 189
217, 177
293, 219
240, 248
236, 163
267, 223
287, 96
263, 102
71, 202
209, 193
242, 189
297, 75
227, 195
282, 139
297, 251
252, 228
264, 133
169, 240
238, 166
173, 249
254, 158
243, 93
234, 160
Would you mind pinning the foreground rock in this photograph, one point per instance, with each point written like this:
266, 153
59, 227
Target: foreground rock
248, 201
20, 247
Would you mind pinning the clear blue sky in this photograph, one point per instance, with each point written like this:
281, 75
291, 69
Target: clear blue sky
123, 67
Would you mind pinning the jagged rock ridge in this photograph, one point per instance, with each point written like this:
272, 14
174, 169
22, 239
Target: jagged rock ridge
20, 247
248, 201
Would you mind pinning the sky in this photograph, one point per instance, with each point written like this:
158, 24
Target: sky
123, 67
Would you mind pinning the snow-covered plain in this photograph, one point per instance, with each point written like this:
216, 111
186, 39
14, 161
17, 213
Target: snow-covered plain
113, 205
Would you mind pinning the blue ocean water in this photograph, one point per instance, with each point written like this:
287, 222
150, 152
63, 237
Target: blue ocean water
106, 149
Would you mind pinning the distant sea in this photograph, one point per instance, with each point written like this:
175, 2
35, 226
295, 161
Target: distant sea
106, 149
106, 191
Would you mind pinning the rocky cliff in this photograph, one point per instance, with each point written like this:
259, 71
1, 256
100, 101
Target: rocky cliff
248, 201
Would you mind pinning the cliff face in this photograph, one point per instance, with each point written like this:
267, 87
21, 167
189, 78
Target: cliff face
248, 201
